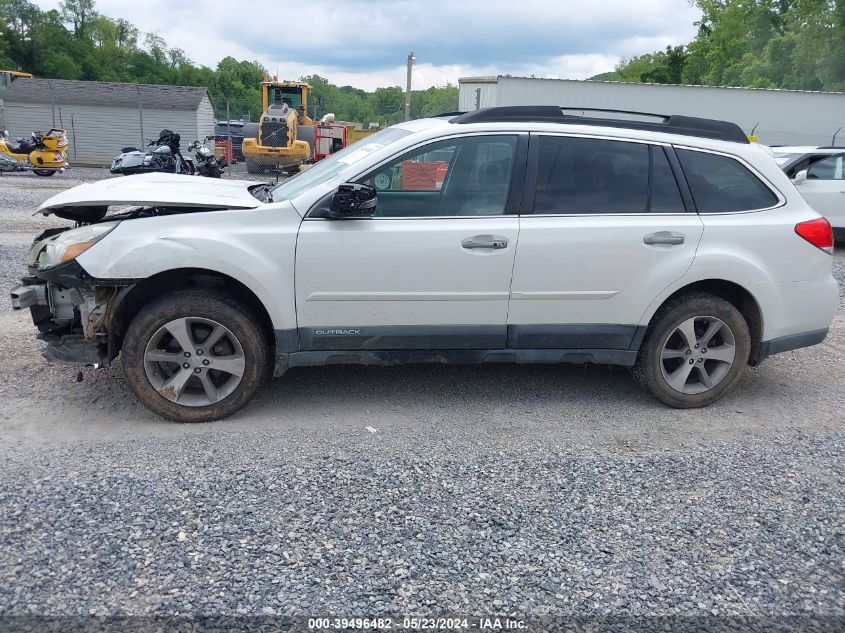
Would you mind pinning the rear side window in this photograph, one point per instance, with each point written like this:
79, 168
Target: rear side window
595, 176
720, 184
665, 197
581, 175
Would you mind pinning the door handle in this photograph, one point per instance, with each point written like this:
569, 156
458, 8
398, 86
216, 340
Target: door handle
473, 242
664, 238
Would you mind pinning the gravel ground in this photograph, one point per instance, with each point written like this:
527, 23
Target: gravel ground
356, 491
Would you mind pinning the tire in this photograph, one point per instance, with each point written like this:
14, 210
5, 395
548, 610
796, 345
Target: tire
154, 359
254, 167
44, 173
307, 133
676, 372
250, 131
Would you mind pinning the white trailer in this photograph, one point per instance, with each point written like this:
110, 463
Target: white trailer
776, 117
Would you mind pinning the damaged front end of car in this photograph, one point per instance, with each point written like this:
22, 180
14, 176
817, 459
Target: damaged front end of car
71, 309
80, 316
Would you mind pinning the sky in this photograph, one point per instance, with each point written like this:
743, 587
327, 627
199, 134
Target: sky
365, 43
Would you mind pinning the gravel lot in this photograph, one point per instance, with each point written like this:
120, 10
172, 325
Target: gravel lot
355, 491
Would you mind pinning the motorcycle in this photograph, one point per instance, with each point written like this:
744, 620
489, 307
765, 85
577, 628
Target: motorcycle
165, 157
44, 154
206, 163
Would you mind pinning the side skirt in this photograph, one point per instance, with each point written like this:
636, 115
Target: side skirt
461, 357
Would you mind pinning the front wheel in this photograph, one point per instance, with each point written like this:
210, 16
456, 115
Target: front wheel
44, 173
694, 351
195, 356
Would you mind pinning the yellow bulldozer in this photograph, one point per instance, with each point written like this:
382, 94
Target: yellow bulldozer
284, 136
8, 76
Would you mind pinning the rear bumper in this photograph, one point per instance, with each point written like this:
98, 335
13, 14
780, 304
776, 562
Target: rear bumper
795, 309
787, 343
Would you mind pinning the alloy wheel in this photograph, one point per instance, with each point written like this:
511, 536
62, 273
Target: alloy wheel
194, 361
697, 355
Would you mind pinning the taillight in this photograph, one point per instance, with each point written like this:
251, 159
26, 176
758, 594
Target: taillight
817, 232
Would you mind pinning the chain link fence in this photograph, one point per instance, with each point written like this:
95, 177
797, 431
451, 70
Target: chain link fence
97, 132
364, 113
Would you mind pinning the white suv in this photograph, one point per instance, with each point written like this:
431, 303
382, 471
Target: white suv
518, 234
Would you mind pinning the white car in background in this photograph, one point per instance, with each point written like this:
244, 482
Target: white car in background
525, 234
819, 174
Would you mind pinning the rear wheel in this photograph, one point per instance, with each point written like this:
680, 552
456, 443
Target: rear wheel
694, 351
194, 356
44, 173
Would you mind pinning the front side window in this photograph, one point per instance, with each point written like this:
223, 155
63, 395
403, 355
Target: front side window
457, 177
828, 169
720, 184
332, 169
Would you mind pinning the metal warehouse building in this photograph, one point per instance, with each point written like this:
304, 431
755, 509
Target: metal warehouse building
781, 117
102, 117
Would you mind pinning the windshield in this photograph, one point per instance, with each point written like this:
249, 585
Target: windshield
290, 95
782, 158
330, 167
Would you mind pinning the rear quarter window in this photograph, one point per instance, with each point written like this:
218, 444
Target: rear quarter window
720, 184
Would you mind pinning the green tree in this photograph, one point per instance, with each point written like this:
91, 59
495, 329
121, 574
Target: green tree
386, 105
798, 44
79, 13
77, 42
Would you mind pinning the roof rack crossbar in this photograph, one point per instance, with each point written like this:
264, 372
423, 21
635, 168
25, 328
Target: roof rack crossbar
669, 123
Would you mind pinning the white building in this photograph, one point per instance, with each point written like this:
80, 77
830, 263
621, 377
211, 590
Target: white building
777, 117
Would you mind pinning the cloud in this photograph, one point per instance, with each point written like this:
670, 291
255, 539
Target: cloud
365, 42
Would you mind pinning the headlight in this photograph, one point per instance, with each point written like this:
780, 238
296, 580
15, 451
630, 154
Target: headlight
70, 244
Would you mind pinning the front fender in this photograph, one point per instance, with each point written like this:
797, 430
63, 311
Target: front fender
255, 247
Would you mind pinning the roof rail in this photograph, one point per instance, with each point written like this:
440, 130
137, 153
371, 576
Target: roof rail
668, 123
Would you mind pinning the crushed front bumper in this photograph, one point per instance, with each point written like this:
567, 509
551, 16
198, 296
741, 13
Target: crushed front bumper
27, 296
72, 319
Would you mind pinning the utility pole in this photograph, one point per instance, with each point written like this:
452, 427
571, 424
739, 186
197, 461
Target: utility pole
411, 60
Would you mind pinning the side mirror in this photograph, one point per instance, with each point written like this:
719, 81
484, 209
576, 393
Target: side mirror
799, 177
352, 200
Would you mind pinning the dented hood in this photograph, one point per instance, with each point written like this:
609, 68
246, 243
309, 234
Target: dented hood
171, 190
